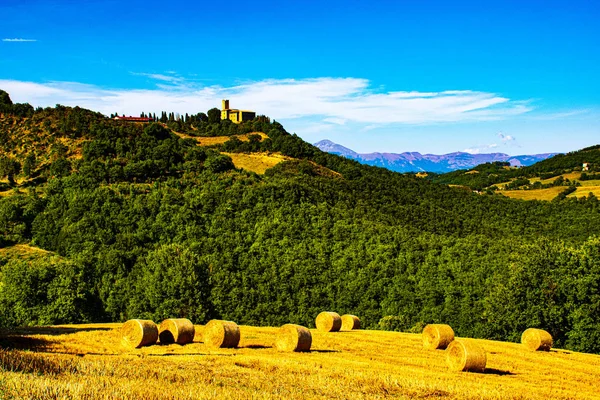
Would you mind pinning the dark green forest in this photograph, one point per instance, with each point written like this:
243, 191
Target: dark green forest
140, 223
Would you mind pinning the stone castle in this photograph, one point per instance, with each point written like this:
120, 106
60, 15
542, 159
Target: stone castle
235, 115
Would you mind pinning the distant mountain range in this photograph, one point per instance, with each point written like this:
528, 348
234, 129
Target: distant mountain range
417, 162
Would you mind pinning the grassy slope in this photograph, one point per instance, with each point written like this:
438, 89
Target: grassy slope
257, 162
23, 252
213, 140
87, 361
566, 165
587, 187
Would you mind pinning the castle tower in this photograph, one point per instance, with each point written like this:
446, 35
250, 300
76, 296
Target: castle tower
225, 104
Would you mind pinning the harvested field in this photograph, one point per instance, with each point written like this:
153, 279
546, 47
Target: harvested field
585, 190
257, 162
538, 194
211, 141
87, 361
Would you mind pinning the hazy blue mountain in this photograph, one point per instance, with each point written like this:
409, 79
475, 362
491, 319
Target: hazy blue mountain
415, 162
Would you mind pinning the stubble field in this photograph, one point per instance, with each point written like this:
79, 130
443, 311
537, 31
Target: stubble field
89, 362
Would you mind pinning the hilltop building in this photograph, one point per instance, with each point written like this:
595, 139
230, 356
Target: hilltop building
235, 115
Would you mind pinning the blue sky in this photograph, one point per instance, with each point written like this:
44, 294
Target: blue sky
428, 76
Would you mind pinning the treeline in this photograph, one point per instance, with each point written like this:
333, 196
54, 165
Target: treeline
203, 124
145, 224
18, 109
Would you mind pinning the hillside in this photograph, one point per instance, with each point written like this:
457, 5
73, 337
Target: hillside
87, 361
415, 162
561, 170
134, 220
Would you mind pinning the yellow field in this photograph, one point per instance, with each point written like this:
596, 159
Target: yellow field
87, 361
585, 190
257, 162
210, 141
590, 183
501, 184
538, 194
587, 187
570, 176
551, 193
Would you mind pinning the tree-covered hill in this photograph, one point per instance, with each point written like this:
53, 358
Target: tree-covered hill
139, 222
489, 174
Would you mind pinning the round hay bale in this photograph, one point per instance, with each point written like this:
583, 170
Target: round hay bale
139, 332
328, 321
465, 356
437, 336
350, 322
537, 339
176, 330
292, 337
220, 334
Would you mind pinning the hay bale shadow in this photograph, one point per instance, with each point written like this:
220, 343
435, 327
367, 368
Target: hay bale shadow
325, 351
17, 342
499, 372
52, 330
256, 346
183, 354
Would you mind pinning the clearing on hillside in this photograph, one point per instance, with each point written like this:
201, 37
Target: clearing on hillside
213, 140
536, 194
24, 252
88, 361
584, 191
256, 162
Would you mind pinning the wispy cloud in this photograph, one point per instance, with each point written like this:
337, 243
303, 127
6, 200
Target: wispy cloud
563, 114
328, 100
161, 77
19, 40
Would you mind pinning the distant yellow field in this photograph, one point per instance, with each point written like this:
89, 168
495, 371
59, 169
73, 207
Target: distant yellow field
550, 193
584, 191
538, 194
570, 176
590, 183
501, 184
87, 361
257, 162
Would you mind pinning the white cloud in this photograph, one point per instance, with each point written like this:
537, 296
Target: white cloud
481, 149
329, 100
19, 40
336, 121
506, 138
